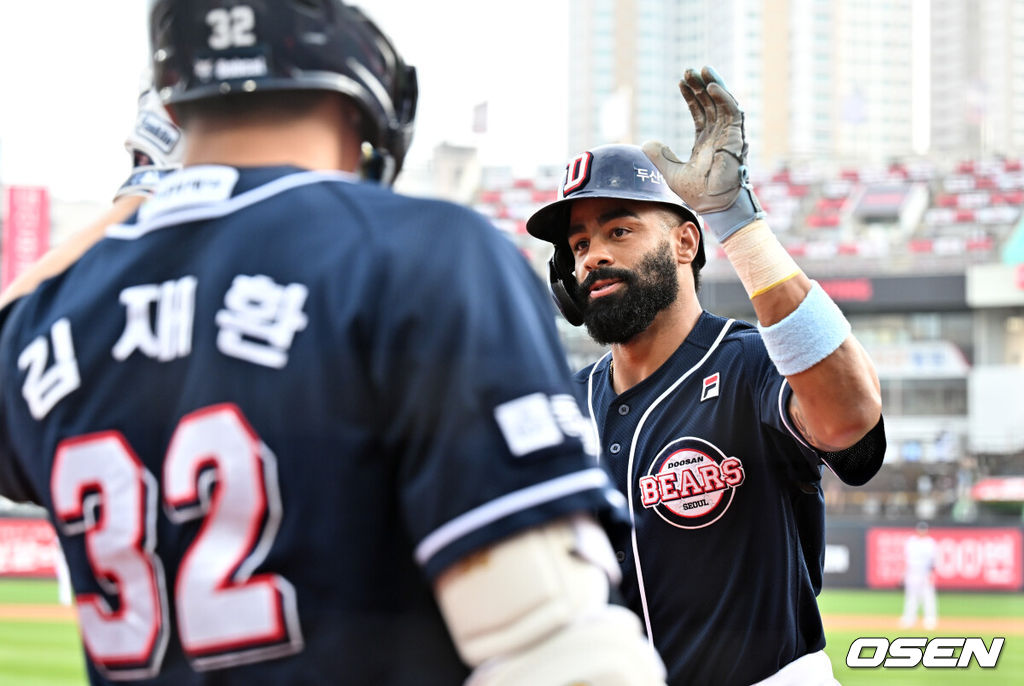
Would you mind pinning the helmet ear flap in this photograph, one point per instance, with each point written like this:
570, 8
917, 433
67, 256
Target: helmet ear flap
377, 165
562, 282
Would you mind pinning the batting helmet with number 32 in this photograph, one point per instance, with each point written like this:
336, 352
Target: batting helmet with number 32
212, 48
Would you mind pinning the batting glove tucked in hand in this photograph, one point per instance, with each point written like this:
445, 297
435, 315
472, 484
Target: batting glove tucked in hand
714, 182
155, 144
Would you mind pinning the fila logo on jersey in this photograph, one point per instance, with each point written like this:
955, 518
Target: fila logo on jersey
691, 483
710, 389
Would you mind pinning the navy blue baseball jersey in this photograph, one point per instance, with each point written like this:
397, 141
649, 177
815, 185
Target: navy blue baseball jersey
726, 556
269, 410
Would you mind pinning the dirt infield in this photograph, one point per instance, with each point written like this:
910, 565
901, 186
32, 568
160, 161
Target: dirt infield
39, 613
963, 626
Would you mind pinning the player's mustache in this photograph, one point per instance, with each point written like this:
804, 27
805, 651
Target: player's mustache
624, 275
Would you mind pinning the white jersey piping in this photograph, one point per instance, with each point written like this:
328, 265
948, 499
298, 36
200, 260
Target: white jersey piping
796, 434
590, 406
629, 466
507, 504
226, 207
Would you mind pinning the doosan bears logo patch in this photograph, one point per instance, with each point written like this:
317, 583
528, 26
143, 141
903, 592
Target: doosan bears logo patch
691, 483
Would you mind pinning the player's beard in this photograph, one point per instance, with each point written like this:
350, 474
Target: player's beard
646, 291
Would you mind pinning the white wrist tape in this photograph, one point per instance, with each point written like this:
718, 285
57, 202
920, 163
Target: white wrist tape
759, 259
807, 335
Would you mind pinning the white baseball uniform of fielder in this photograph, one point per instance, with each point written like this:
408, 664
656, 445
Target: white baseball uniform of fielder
919, 586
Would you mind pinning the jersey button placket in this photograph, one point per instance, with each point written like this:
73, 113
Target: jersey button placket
623, 410
616, 437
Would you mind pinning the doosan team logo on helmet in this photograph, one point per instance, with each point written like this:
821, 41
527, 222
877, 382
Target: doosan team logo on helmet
607, 171
691, 483
644, 183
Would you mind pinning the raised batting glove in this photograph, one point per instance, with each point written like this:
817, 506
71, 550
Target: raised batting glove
155, 144
714, 182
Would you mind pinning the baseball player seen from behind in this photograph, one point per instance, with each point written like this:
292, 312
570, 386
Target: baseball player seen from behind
278, 445
155, 146
715, 430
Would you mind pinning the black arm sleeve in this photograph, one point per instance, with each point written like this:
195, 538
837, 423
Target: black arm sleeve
857, 464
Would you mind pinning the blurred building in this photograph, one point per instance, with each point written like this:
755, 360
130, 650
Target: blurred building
816, 77
977, 76
843, 79
452, 172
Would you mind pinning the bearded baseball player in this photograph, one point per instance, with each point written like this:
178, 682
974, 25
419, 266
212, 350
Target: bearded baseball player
294, 428
716, 430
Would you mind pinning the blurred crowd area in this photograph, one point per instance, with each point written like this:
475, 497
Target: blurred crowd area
907, 215
932, 491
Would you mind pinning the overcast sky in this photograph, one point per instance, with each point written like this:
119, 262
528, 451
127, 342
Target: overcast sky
69, 76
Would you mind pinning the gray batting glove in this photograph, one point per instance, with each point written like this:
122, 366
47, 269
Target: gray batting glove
714, 182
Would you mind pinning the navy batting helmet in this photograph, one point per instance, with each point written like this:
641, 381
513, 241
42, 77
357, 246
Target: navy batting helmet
210, 48
608, 171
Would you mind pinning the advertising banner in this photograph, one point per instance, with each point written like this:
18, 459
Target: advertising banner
28, 547
968, 558
26, 233
873, 295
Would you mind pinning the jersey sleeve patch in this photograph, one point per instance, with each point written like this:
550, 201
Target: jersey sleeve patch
528, 424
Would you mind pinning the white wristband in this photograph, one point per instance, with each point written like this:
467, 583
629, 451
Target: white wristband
807, 335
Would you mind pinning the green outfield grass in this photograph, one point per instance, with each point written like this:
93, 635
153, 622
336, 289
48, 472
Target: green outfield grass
38, 652
995, 605
48, 653
953, 607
